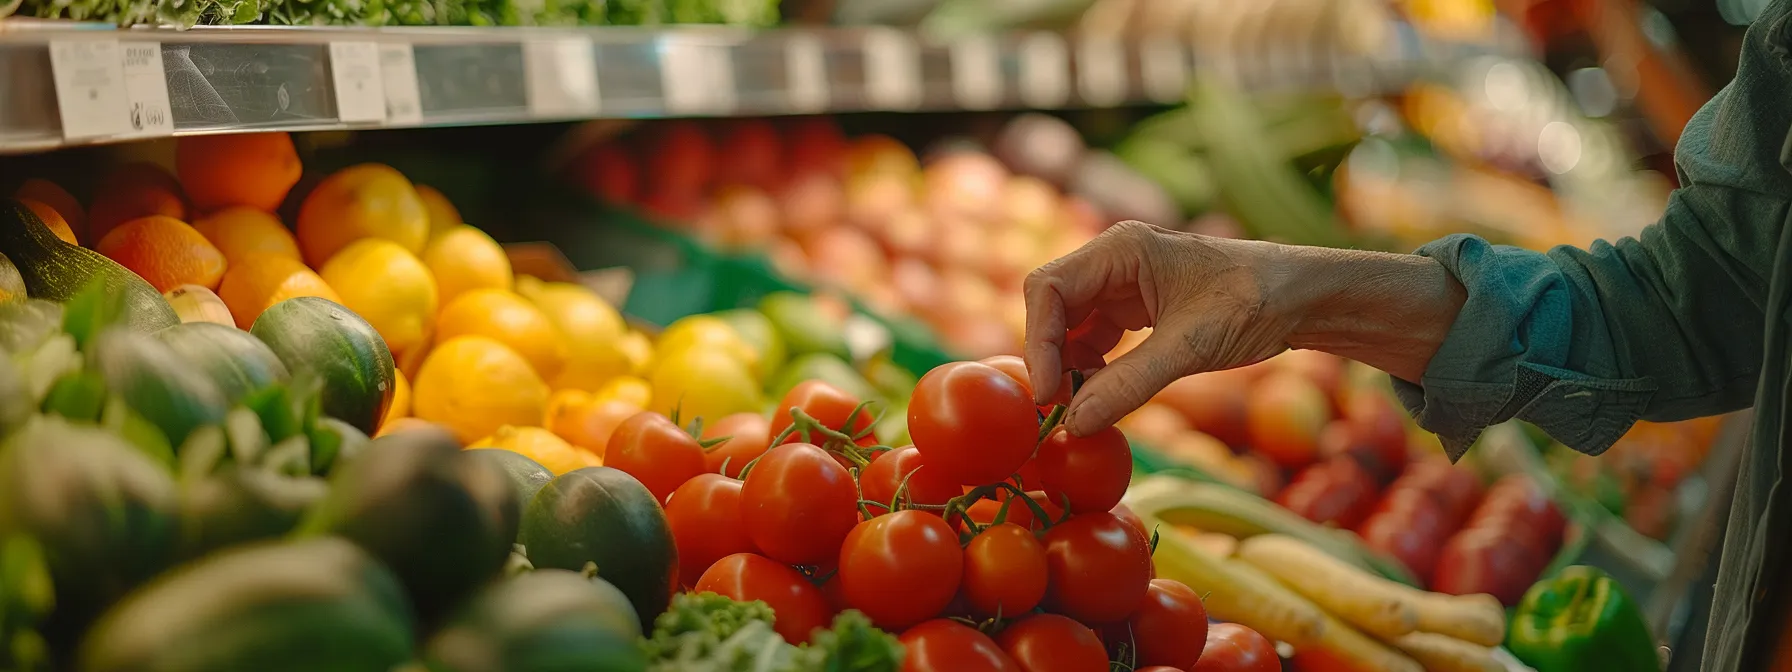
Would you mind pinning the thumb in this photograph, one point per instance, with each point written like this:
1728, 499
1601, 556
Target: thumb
1126, 384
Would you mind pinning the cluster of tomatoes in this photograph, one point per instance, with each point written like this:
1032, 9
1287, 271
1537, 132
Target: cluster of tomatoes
995, 521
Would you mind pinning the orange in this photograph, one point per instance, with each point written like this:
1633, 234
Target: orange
239, 231
442, 215
463, 259
508, 319
474, 385
131, 191
582, 316
402, 425
52, 219
388, 287
47, 192
536, 444
249, 169
262, 280
586, 420
365, 201
401, 401
165, 251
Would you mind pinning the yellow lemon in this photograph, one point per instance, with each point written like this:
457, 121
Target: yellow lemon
386, 285
529, 286
638, 348
509, 319
401, 401
474, 385
463, 259
707, 332
579, 313
240, 231
589, 367
443, 217
536, 444
365, 201
628, 389
703, 383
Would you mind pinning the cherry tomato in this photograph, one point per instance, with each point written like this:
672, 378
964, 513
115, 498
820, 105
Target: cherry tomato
1089, 472
706, 523
1016, 368
656, 452
1234, 648
1004, 571
1484, 560
1125, 513
942, 645
973, 422
1170, 628
1336, 492
799, 504
901, 569
828, 404
1099, 568
1053, 643
884, 475
748, 437
799, 606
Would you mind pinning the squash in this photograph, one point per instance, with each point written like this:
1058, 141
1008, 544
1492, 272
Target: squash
603, 515
341, 348
236, 361
162, 386
544, 619
55, 270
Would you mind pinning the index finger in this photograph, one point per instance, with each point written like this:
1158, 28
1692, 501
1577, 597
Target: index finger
1057, 293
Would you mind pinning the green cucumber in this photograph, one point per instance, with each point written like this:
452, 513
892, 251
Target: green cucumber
356, 366
604, 516
238, 362
55, 270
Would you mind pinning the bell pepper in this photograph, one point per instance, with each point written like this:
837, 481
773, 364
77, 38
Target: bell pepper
1581, 621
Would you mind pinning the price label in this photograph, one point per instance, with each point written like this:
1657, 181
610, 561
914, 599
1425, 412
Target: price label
146, 87
562, 77
892, 70
1163, 67
977, 73
1044, 71
90, 93
1101, 71
398, 72
697, 78
806, 73
355, 69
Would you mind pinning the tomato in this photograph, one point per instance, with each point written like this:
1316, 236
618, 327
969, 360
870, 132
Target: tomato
799, 605
656, 452
799, 504
1396, 537
1053, 643
1123, 512
1379, 428
1016, 368
748, 437
1342, 438
1234, 648
884, 475
1337, 492
828, 404
1099, 568
1004, 571
705, 518
984, 512
1170, 628
942, 645
1456, 489
1416, 509
1519, 498
1089, 472
973, 422
1484, 560
901, 569
1159, 668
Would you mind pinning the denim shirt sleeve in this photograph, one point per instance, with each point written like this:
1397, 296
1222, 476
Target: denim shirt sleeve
1665, 326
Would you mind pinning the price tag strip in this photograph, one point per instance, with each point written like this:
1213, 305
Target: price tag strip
360, 94
398, 72
1044, 71
977, 73
1101, 71
697, 78
892, 70
90, 92
146, 87
562, 77
806, 73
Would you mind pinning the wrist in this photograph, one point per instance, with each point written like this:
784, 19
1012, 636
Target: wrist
1390, 311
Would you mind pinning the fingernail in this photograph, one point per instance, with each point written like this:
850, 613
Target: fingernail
1084, 416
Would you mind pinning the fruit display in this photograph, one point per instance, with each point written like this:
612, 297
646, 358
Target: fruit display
753, 13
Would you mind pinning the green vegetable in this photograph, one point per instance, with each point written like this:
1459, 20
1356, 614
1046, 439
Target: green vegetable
1581, 621
526, 476
156, 383
318, 335
236, 361
604, 516
57, 271
548, 619
241, 505
711, 633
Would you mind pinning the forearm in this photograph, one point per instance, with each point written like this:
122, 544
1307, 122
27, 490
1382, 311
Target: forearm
1390, 311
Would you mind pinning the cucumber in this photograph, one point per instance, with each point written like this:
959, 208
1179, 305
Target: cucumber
526, 476
241, 505
341, 348
55, 270
548, 619
316, 604
163, 387
602, 515
238, 362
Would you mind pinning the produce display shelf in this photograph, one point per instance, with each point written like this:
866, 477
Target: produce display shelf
69, 83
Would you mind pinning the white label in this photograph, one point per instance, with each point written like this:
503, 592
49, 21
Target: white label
892, 70
1163, 65
146, 87
90, 93
1044, 71
398, 72
355, 69
562, 77
1101, 71
977, 73
806, 73
697, 78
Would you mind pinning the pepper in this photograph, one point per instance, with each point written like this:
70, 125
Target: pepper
1581, 621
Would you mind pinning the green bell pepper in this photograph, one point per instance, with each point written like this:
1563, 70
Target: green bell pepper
1581, 621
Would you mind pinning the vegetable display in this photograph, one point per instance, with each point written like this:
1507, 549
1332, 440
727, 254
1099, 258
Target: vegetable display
1581, 620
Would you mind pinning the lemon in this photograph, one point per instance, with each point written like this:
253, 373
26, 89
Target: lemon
592, 365
638, 348
627, 389
707, 332
703, 383
536, 444
473, 385
579, 313
509, 319
387, 286
365, 201
463, 259
529, 286
443, 217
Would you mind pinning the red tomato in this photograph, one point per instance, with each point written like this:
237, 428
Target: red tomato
1416, 509
884, 475
1530, 508
1004, 571
1335, 492
656, 452
748, 437
1125, 513
1379, 427
749, 152
1053, 643
1234, 648
1170, 628
828, 404
942, 645
1099, 568
799, 504
704, 514
1016, 368
1397, 537
973, 422
1457, 489
1159, 668
1484, 560
800, 607
1344, 438
901, 569
1092, 472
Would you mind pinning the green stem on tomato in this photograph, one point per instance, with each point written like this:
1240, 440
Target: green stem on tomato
1051, 422
1039, 513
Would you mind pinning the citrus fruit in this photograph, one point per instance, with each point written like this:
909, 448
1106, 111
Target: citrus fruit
536, 444
366, 201
51, 219
442, 215
165, 251
53, 195
703, 383
629, 389
580, 314
529, 286
262, 280
387, 286
463, 259
401, 401
404, 424
248, 169
585, 420
474, 385
590, 365
509, 319
131, 191
239, 231
707, 332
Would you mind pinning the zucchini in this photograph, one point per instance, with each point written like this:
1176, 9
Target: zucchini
341, 348
159, 384
604, 516
548, 619
55, 270
236, 361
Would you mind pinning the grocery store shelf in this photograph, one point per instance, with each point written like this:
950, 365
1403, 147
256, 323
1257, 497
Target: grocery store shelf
67, 84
